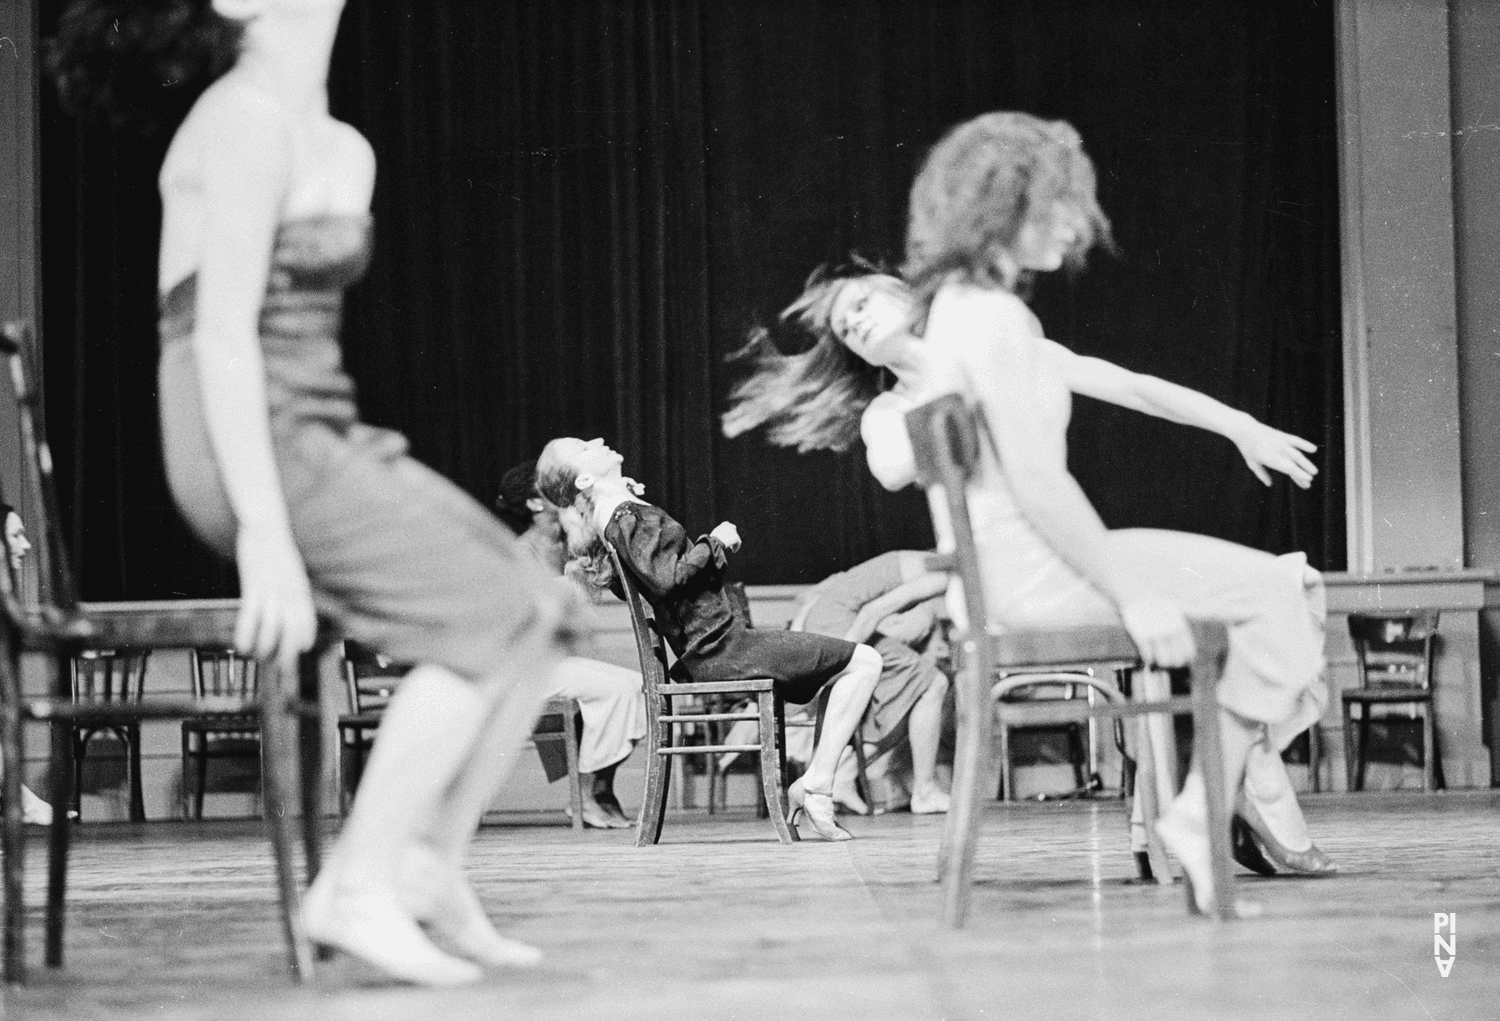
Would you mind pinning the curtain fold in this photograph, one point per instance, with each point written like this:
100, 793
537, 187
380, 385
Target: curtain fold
581, 208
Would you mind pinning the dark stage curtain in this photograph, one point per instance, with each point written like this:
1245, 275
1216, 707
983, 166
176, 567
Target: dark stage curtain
581, 207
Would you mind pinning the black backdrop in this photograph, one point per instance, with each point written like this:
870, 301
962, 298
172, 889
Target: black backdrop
582, 206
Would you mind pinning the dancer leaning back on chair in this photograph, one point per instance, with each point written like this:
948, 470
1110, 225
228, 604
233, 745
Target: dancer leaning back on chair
265, 220
999, 199
683, 581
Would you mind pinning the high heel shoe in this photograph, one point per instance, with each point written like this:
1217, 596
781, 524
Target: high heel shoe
1264, 854
817, 806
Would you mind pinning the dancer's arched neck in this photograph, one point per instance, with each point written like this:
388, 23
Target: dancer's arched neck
606, 495
909, 366
287, 55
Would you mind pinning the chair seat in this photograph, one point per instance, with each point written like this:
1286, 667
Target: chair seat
1388, 694
151, 707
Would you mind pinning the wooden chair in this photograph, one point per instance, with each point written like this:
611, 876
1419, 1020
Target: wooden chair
1395, 652
218, 673
1022, 688
63, 630
102, 677
664, 718
946, 438
370, 680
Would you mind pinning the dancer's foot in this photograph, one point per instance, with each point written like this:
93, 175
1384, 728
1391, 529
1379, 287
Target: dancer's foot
929, 799
817, 808
1272, 854
368, 924
611, 804
1183, 829
1268, 805
440, 897
35, 811
596, 816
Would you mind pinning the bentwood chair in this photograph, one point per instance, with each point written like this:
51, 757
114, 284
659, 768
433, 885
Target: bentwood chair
1395, 652
60, 629
104, 677
665, 718
946, 437
370, 680
218, 673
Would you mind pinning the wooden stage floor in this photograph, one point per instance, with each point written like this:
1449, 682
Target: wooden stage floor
177, 920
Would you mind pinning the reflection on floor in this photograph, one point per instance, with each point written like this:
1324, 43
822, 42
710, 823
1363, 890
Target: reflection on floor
720, 922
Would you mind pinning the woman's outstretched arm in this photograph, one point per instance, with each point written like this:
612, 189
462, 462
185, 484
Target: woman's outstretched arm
246, 173
1264, 449
990, 335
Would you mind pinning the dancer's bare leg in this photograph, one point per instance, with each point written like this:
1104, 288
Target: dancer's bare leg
427, 736
924, 729
1184, 826
435, 889
848, 698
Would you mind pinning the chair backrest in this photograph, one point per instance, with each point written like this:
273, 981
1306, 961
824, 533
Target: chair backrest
110, 675
223, 672
1395, 649
945, 442
649, 646
370, 678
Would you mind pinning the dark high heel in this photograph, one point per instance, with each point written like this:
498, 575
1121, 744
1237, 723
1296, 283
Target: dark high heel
817, 806
1272, 853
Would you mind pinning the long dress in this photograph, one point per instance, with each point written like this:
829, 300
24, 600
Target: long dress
1274, 606
683, 581
398, 557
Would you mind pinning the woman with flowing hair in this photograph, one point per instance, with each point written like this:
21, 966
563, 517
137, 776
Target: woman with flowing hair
265, 220
683, 580
1000, 199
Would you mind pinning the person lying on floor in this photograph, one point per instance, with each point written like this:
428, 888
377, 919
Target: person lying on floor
609, 696
683, 580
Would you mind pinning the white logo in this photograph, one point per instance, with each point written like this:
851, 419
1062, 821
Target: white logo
1440, 946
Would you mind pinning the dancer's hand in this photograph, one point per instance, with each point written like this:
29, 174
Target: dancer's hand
726, 533
276, 607
1160, 631
1266, 449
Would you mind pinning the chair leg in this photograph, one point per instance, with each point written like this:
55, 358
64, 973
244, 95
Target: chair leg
658, 774
311, 719
770, 767
780, 712
1007, 774
80, 745
1349, 747
1209, 740
277, 813
1146, 805
202, 788
948, 840
1315, 757
570, 752
975, 730
1429, 750
1078, 752
1364, 748
12, 834
59, 834
133, 750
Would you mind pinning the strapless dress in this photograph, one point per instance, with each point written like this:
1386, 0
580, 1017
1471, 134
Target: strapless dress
399, 558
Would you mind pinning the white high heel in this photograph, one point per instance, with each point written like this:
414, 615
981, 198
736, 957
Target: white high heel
817, 806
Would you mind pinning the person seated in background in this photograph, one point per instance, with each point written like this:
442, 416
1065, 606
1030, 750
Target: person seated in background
609, 696
893, 603
683, 580
34, 810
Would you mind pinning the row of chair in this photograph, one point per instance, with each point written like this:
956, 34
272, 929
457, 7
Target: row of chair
106, 678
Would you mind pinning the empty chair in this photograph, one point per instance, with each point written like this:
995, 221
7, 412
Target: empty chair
103, 678
1394, 652
218, 672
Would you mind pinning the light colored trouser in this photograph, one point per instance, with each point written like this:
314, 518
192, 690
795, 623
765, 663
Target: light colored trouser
612, 705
